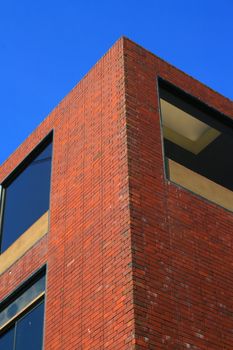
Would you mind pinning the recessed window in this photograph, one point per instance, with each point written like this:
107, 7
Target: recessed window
197, 146
22, 318
25, 197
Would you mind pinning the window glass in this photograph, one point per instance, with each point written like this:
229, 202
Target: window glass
7, 340
26, 199
29, 330
30, 294
22, 316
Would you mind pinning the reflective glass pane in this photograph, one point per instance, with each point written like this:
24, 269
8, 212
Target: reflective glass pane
27, 198
7, 340
29, 330
22, 301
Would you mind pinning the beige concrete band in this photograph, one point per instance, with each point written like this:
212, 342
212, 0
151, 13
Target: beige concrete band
24, 242
200, 185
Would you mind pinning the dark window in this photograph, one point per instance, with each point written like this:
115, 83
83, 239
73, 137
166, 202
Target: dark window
25, 298
29, 330
26, 197
22, 318
7, 340
197, 145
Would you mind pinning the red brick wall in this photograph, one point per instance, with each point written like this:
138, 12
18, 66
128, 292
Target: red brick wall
182, 245
89, 303
88, 247
134, 262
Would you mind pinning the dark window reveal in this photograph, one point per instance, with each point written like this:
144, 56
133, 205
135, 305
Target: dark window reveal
197, 144
26, 198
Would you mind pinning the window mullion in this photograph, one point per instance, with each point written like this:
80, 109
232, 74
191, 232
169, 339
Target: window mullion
15, 330
2, 198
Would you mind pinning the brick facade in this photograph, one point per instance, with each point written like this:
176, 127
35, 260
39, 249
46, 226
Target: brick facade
133, 261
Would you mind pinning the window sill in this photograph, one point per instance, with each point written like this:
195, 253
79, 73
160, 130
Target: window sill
200, 185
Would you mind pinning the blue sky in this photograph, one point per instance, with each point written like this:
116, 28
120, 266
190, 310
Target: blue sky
47, 46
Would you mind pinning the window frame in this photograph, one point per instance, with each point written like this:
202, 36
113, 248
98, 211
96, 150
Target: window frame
10, 298
15, 173
21, 315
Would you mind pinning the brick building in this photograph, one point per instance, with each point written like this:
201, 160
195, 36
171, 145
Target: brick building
116, 215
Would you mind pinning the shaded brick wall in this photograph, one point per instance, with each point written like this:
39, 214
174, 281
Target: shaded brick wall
182, 245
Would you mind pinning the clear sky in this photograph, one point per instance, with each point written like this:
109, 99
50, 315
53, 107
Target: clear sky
47, 46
